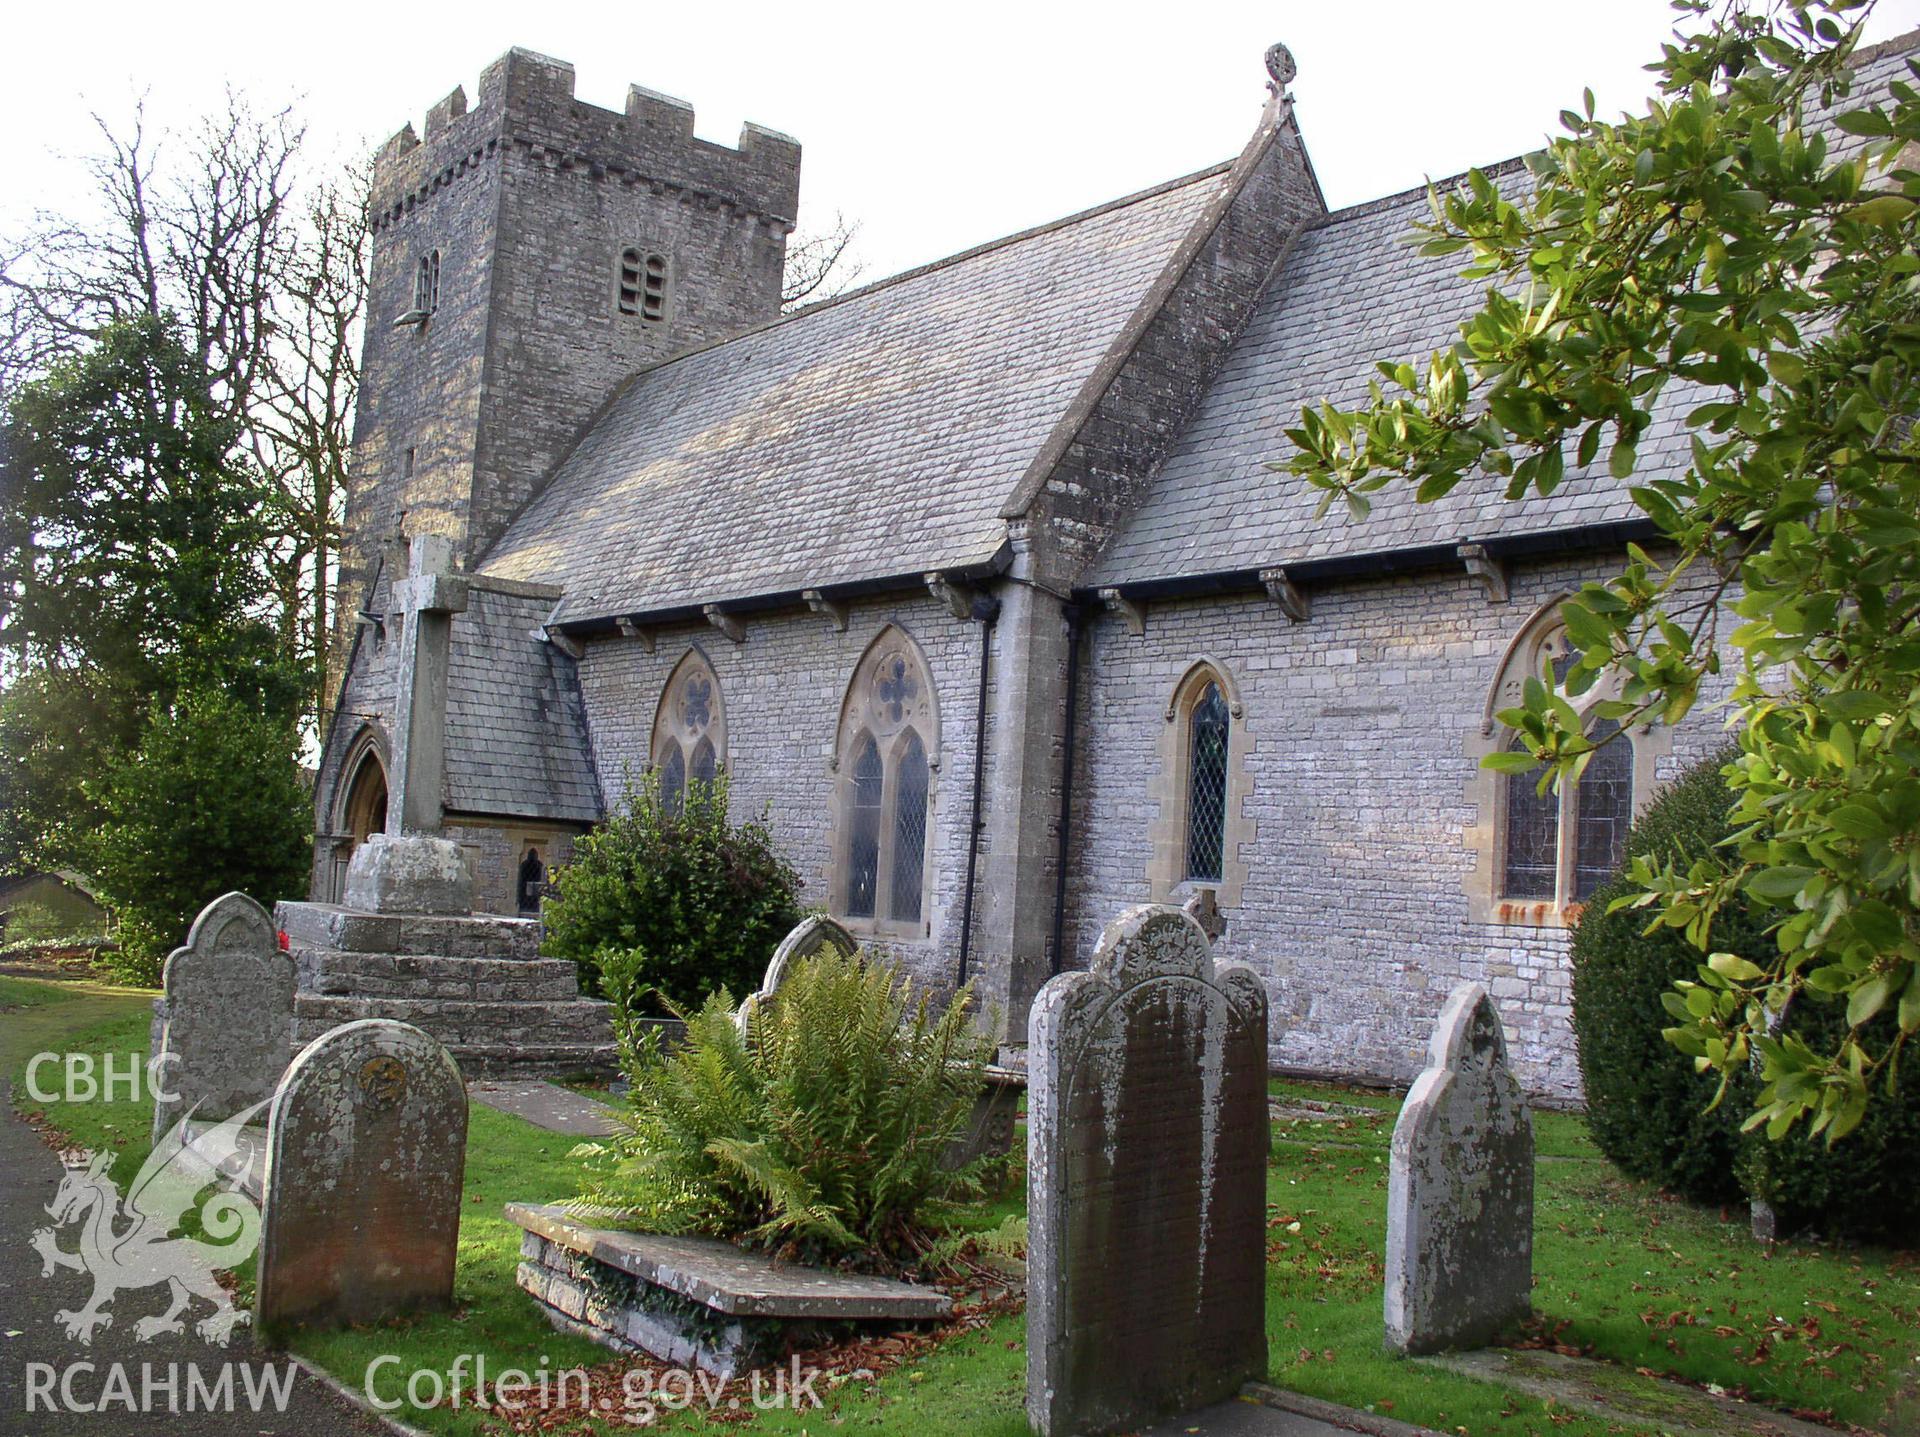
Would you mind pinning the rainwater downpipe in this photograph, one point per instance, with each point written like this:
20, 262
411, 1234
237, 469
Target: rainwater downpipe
1074, 615
986, 611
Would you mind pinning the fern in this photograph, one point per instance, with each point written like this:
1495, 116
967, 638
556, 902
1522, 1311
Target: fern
823, 1129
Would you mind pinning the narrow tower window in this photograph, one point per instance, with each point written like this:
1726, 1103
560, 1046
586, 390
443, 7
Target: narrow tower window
426, 285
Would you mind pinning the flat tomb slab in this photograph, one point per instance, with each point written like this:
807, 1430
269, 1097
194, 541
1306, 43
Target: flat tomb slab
729, 1280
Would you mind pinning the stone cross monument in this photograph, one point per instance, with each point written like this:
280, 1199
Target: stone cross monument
411, 868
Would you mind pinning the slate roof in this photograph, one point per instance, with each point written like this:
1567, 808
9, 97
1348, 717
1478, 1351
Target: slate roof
871, 437
1355, 291
516, 726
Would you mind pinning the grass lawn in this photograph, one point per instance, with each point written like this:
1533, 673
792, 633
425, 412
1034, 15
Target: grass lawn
1621, 1272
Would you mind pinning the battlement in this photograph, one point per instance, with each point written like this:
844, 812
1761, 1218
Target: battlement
525, 103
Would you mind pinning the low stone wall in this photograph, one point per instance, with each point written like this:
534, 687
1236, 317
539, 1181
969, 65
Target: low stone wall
697, 1302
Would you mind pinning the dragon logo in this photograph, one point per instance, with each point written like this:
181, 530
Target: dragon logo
132, 1243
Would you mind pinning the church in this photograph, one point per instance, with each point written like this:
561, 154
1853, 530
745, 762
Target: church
978, 581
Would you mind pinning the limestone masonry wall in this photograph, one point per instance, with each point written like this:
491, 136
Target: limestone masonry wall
782, 690
1355, 907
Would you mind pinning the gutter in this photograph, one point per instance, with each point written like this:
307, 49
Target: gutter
609, 622
1382, 562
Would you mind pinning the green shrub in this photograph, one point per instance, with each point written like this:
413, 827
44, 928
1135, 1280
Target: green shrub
1867, 1185
210, 802
1648, 1108
661, 906
821, 1130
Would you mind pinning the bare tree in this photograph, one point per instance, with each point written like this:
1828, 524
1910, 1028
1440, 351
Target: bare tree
264, 271
820, 266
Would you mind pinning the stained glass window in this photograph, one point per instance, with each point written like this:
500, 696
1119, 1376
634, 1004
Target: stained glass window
1603, 808
909, 830
703, 767
1207, 786
673, 778
1532, 866
863, 842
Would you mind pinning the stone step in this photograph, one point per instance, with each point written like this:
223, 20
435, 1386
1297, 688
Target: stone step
458, 1021
330, 972
327, 925
561, 1060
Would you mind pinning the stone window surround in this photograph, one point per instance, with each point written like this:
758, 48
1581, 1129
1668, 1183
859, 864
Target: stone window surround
854, 720
1170, 785
1486, 790
668, 725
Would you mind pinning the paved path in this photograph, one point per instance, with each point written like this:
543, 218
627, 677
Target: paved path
29, 1174
545, 1105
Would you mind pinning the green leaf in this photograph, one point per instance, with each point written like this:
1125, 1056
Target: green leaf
1881, 210
1620, 463
1869, 998
1733, 966
1777, 884
1509, 761
1864, 122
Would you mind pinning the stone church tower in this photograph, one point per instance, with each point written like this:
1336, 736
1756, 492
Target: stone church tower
530, 252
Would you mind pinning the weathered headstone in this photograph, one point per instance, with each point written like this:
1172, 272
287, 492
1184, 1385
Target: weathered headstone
1460, 1192
366, 1149
1146, 1180
226, 1023
808, 937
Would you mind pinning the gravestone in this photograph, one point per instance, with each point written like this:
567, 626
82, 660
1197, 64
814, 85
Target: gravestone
225, 1026
366, 1148
1146, 1181
1460, 1192
808, 937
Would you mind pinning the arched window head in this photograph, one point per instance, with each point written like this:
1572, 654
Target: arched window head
703, 767
689, 729
642, 288
1544, 853
885, 756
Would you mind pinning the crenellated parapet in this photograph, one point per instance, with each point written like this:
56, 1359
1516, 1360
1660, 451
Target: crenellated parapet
526, 105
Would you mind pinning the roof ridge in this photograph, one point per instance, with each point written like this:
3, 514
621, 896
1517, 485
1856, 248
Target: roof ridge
932, 266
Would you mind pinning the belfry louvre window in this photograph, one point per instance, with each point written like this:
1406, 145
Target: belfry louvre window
643, 284
689, 730
885, 762
1207, 786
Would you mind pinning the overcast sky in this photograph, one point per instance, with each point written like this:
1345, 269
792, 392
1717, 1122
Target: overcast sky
933, 128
